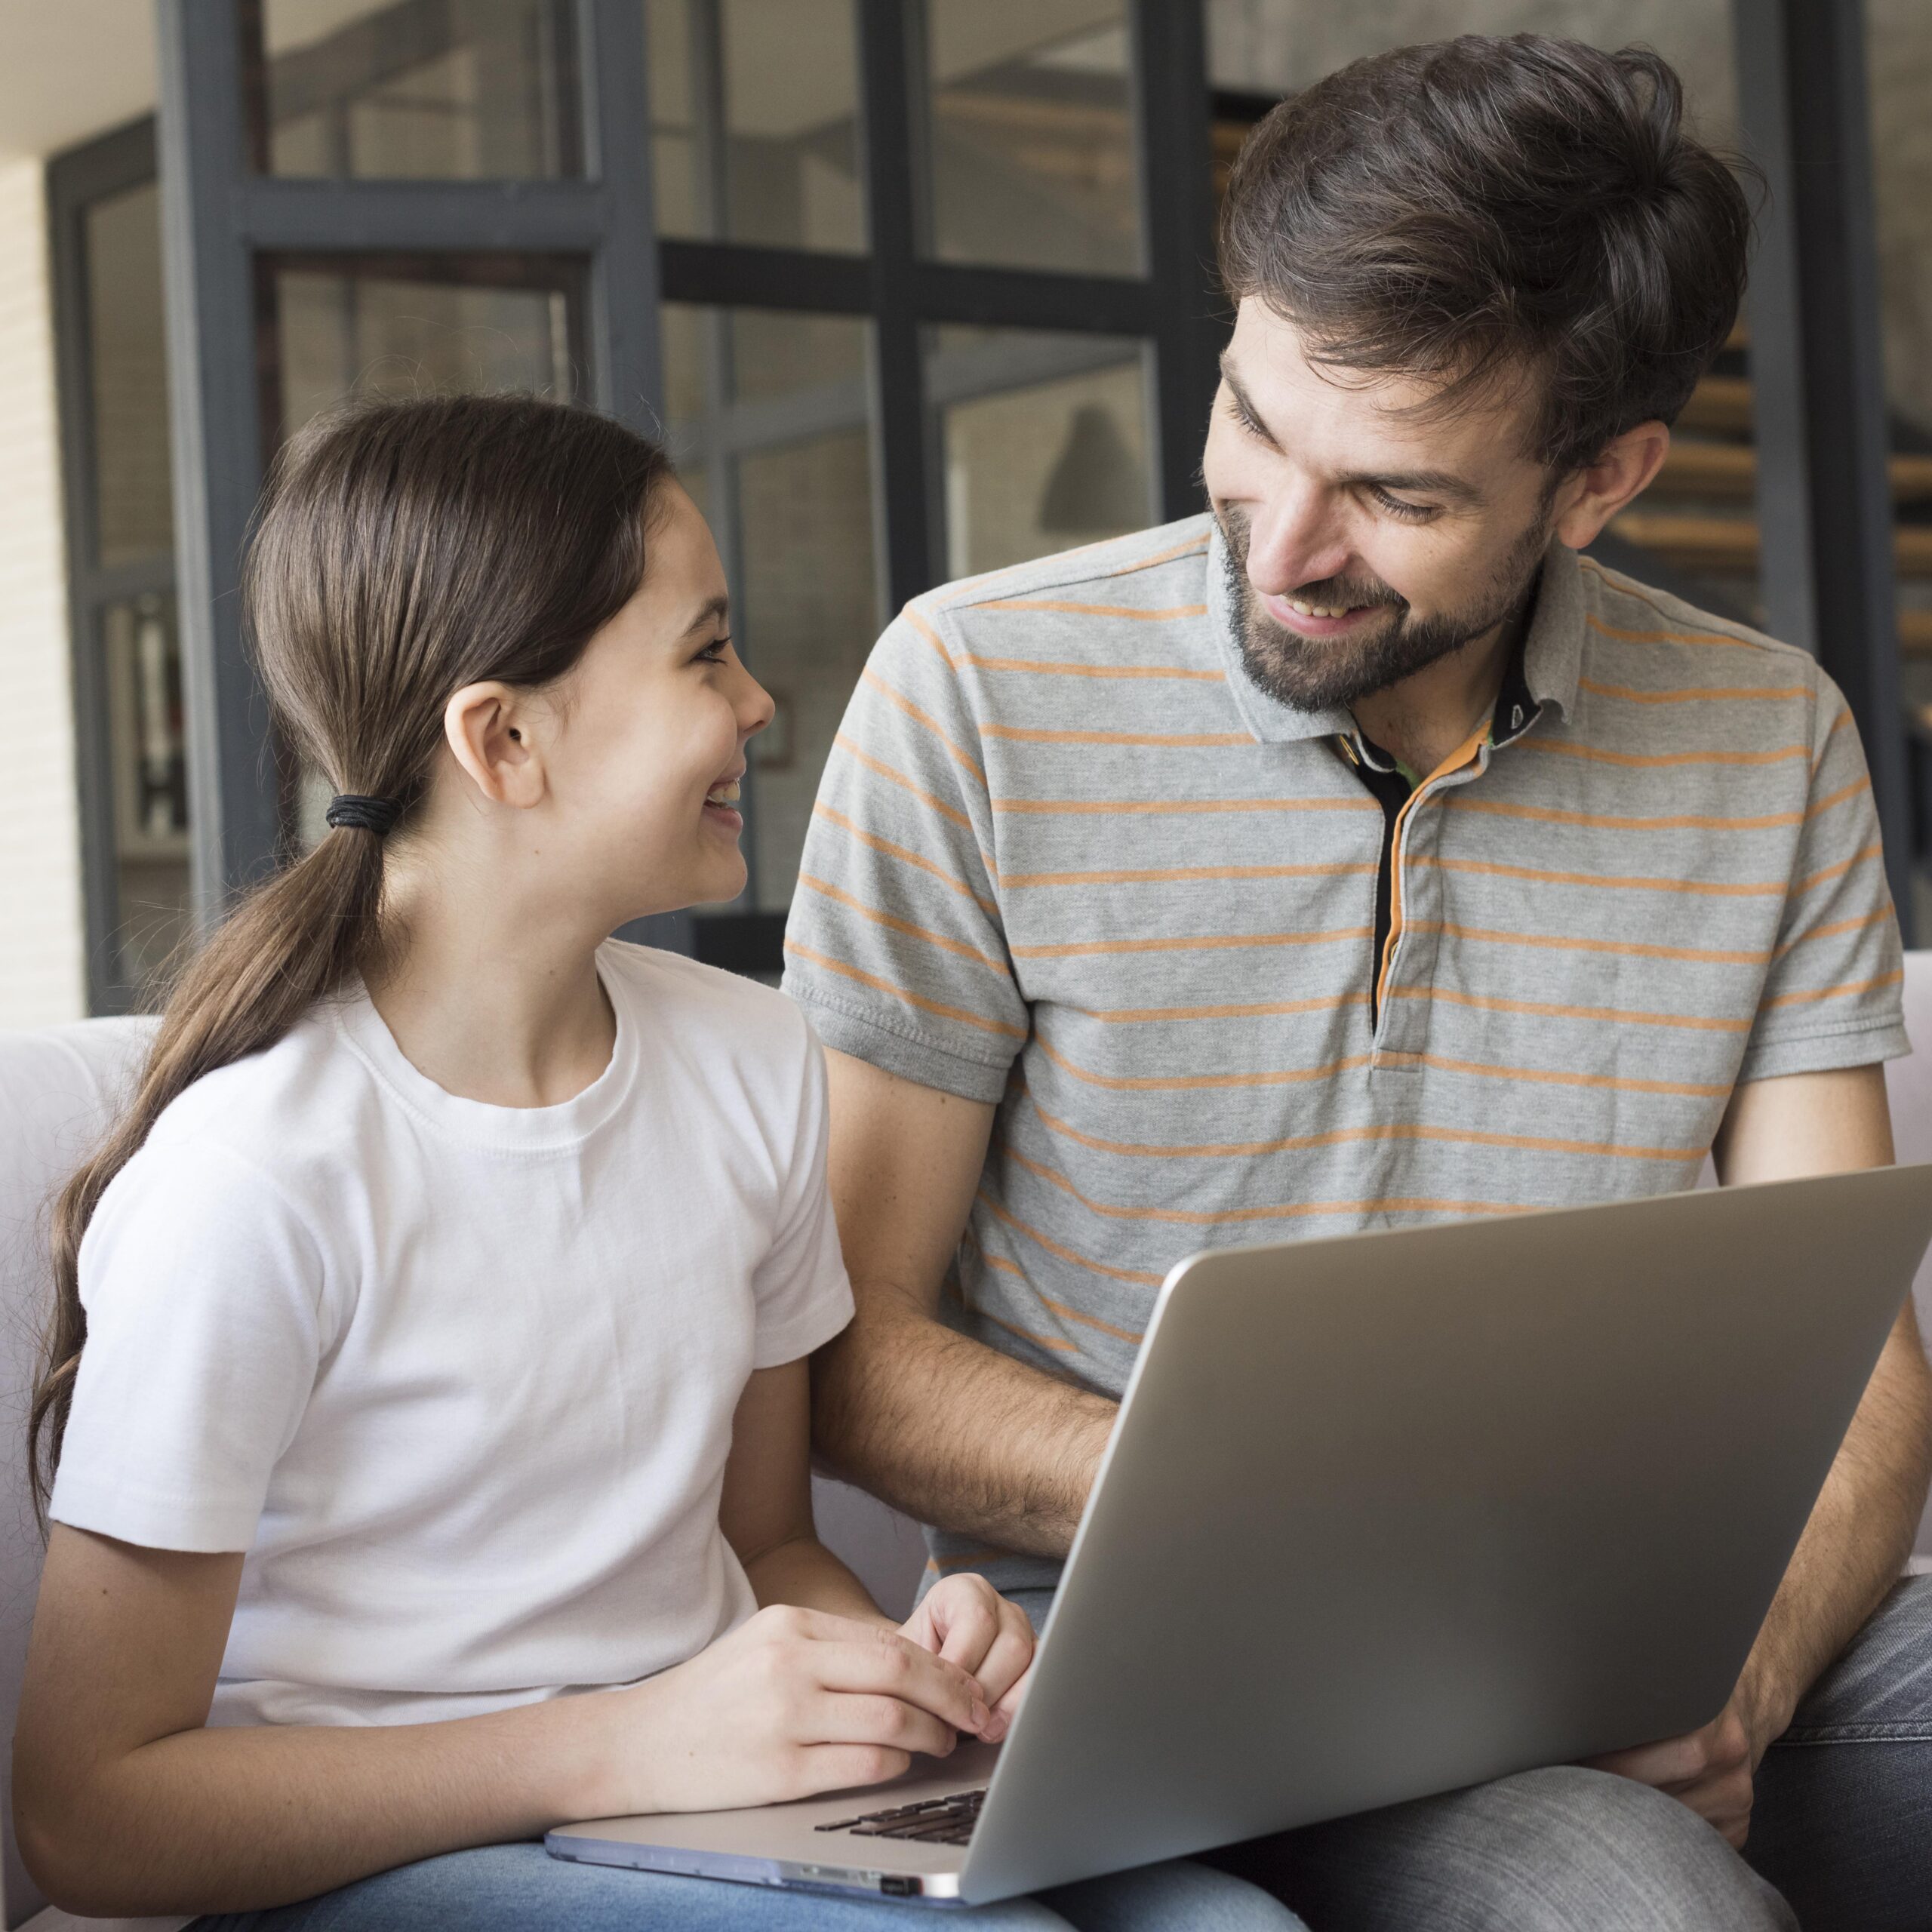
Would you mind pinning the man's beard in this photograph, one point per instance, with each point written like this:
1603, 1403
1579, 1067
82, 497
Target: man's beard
1310, 674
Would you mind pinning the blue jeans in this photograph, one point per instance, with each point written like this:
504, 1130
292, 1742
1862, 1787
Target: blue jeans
520, 1888
1840, 1837
1841, 1840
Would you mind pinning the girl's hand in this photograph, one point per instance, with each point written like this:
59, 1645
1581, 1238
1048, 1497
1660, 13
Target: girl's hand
793, 1702
965, 1620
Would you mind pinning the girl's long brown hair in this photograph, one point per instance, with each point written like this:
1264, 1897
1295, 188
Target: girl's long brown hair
402, 550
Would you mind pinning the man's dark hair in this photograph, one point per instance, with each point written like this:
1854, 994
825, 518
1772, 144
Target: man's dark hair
1485, 209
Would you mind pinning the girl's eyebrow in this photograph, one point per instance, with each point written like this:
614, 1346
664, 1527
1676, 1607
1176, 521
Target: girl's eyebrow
714, 610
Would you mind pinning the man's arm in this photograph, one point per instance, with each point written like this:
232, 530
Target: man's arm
1861, 1528
948, 1430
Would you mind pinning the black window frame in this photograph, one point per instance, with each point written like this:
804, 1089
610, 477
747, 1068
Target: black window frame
1814, 313
223, 216
110, 165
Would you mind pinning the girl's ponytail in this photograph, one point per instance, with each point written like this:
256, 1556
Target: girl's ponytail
404, 550
295, 939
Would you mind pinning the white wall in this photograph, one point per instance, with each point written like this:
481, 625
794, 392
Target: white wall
41, 976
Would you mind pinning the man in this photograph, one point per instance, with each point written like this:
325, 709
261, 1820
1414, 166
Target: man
1357, 855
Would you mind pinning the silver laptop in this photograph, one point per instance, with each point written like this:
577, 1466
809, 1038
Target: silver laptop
1388, 1515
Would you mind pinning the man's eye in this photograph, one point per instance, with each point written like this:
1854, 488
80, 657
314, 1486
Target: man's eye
1395, 506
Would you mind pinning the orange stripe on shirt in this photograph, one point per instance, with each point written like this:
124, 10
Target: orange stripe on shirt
1837, 798
1189, 874
1139, 807
874, 843
1210, 943
1626, 949
878, 985
1863, 856
963, 948
1263, 1010
1287, 1210
872, 681
1297, 1143
1002, 1265
1882, 917
1131, 611
1614, 1015
1545, 1077
1611, 822
1032, 735
1064, 1253
1695, 694
1187, 1083
1662, 761
1845, 990
1055, 668
1764, 888
841, 743
918, 620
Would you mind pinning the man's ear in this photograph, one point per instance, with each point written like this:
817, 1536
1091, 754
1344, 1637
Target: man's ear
490, 730
1596, 492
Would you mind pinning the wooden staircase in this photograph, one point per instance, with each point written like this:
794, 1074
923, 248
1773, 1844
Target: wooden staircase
1696, 518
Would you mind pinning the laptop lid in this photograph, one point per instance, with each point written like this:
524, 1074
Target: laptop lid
1390, 1514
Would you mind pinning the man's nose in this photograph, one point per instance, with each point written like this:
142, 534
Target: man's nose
1294, 539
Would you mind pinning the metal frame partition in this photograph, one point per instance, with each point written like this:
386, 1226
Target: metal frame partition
76, 181
221, 216
1824, 498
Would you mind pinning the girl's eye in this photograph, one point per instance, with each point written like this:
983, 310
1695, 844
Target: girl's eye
1395, 506
713, 653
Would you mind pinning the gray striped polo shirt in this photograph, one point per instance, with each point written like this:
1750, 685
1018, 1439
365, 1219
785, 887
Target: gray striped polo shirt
1068, 857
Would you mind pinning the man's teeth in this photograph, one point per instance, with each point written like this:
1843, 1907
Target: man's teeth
722, 795
1318, 609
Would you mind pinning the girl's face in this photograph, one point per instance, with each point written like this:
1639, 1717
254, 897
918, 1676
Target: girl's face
647, 742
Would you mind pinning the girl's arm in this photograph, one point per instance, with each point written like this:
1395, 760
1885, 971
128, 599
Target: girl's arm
125, 1804
766, 1514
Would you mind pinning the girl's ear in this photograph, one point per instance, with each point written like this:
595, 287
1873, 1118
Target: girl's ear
489, 730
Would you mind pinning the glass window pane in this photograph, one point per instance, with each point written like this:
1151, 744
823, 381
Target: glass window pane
1044, 439
152, 911
443, 90
754, 121
127, 356
1694, 531
1031, 130
769, 421
422, 327
1900, 50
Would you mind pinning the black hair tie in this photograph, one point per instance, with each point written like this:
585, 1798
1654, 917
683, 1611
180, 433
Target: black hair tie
360, 814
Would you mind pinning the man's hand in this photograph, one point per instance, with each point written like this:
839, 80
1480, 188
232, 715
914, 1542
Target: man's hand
966, 1621
1711, 1769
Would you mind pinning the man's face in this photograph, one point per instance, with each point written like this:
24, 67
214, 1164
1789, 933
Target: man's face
1366, 538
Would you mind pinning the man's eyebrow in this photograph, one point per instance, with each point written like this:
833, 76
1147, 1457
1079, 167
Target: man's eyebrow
715, 610
1242, 397
1424, 482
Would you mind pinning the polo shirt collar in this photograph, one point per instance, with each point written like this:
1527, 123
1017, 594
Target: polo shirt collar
1551, 659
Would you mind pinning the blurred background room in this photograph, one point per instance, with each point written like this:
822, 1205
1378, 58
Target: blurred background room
914, 288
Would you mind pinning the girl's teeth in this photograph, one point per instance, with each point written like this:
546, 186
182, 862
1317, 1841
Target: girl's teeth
721, 795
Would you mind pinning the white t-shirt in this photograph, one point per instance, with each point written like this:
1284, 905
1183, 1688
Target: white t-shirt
458, 1378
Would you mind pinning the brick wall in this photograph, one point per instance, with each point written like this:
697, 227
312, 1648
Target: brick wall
41, 977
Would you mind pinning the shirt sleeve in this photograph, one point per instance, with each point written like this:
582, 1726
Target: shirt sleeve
203, 1290
803, 1294
895, 945
1834, 994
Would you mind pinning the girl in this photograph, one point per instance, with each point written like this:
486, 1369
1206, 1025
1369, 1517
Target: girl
431, 1336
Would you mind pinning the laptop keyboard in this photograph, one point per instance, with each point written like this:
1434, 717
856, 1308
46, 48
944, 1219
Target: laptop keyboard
935, 1821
